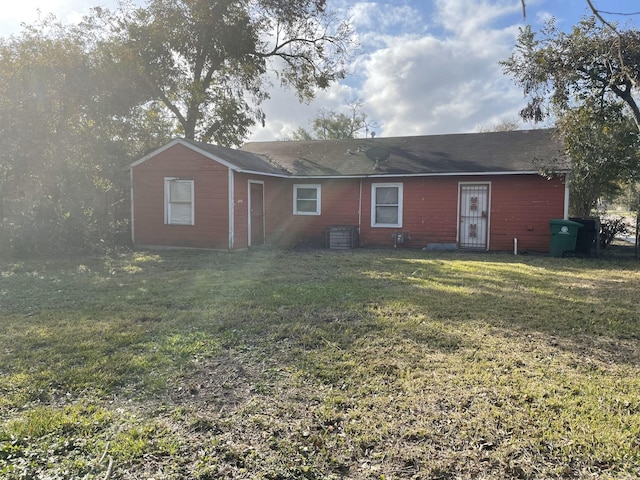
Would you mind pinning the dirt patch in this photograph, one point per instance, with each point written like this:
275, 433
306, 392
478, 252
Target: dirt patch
214, 383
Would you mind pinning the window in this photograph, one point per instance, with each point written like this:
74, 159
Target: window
386, 205
306, 199
178, 201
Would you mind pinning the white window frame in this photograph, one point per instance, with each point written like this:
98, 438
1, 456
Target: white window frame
374, 204
168, 215
307, 186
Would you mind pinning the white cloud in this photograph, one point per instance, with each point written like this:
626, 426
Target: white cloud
13, 14
285, 114
451, 83
374, 20
425, 67
423, 71
27, 10
466, 18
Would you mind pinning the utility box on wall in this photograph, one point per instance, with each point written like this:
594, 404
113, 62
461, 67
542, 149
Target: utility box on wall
342, 237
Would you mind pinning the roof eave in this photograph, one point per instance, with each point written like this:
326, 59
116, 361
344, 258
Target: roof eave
396, 175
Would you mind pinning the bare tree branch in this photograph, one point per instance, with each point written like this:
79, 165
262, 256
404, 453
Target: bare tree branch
613, 28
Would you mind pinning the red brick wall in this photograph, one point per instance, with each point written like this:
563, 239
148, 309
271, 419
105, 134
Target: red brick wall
211, 185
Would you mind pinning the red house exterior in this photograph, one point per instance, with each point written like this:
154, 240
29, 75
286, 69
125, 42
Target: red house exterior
470, 191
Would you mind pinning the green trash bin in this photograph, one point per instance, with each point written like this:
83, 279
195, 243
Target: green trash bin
563, 237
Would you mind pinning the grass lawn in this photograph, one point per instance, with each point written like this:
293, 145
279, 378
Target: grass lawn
365, 364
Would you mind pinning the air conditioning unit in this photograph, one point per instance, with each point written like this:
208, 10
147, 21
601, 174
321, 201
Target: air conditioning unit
342, 237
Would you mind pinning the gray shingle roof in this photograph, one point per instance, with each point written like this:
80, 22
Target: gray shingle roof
456, 154
243, 160
471, 153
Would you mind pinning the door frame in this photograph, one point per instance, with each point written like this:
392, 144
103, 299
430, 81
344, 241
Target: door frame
487, 185
250, 203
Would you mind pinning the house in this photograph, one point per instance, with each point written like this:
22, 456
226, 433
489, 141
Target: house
468, 191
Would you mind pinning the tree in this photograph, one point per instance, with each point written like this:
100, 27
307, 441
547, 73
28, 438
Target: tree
78, 103
558, 70
208, 62
586, 79
331, 125
66, 139
508, 125
603, 145
42, 77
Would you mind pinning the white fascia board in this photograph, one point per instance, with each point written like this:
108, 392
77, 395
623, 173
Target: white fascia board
232, 209
262, 174
405, 175
133, 219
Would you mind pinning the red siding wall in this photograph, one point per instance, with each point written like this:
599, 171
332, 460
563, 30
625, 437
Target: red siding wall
521, 206
273, 188
240, 211
429, 212
211, 185
339, 206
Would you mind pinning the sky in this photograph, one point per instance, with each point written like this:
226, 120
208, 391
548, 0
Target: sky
424, 66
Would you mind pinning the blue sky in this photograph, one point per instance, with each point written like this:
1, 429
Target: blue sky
425, 66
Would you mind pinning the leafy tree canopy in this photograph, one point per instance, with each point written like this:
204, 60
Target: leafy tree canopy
603, 145
559, 70
508, 125
78, 103
68, 128
587, 80
211, 63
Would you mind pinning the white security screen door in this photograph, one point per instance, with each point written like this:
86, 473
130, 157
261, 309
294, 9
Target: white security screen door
474, 216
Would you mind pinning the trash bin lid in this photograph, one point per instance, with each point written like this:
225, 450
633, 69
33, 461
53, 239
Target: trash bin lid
568, 223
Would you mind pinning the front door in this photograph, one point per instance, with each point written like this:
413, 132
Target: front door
474, 216
256, 213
